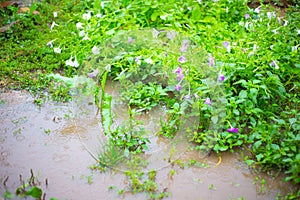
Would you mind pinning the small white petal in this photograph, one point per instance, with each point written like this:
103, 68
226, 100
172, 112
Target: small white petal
55, 14
57, 50
75, 63
52, 25
86, 37
87, 16
70, 62
95, 50
50, 44
149, 61
81, 33
79, 25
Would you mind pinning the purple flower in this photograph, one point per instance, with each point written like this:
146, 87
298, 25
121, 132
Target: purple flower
274, 64
207, 101
187, 97
130, 40
211, 61
180, 76
221, 77
233, 130
247, 16
184, 46
178, 87
225, 44
178, 70
182, 59
138, 60
171, 35
93, 74
179, 73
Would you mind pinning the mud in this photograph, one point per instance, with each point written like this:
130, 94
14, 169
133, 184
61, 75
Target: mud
52, 140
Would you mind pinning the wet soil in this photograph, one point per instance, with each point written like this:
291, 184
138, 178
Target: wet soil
52, 140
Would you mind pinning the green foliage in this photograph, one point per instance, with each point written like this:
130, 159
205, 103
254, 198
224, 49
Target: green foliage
260, 93
145, 97
27, 189
130, 137
109, 156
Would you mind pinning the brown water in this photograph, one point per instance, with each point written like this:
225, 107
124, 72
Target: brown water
52, 139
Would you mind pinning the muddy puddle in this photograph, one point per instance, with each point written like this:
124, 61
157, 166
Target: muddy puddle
52, 140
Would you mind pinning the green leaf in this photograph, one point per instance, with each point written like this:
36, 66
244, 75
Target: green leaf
196, 13
257, 144
275, 146
214, 119
35, 192
242, 82
235, 111
243, 94
256, 81
259, 156
297, 65
292, 120
110, 32
154, 16
106, 114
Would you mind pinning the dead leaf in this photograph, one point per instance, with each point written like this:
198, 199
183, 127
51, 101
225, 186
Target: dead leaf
27, 10
8, 3
24, 10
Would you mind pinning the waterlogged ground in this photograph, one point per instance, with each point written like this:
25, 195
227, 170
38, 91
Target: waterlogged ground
52, 140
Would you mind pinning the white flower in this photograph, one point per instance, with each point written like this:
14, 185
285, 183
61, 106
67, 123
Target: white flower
72, 63
285, 23
257, 10
275, 31
53, 24
86, 37
81, 33
298, 32
87, 16
102, 4
255, 47
270, 15
138, 60
99, 15
54, 14
279, 19
95, 50
79, 25
274, 64
50, 43
57, 50
75, 63
149, 60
